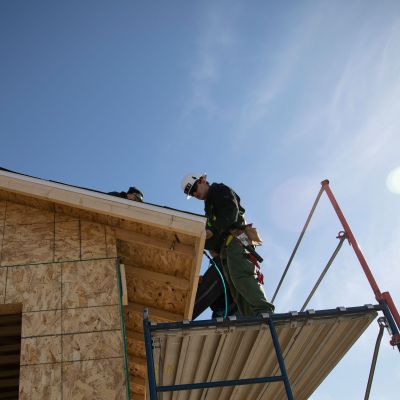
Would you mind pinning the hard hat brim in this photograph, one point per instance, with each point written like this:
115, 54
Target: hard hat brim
189, 196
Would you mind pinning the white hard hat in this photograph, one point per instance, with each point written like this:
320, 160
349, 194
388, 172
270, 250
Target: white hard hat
188, 182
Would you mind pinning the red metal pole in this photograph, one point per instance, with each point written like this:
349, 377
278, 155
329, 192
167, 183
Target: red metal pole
392, 307
385, 299
353, 241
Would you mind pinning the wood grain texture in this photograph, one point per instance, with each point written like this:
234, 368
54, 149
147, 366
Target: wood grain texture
93, 240
25, 244
1, 237
3, 277
155, 294
26, 200
37, 287
18, 214
67, 244
41, 323
163, 261
2, 211
98, 379
90, 319
138, 367
40, 382
157, 233
135, 348
91, 346
111, 242
137, 386
60, 217
89, 283
40, 350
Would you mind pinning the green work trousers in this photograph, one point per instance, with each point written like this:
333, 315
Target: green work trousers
241, 276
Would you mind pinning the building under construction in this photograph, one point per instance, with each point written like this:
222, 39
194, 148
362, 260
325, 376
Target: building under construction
96, 300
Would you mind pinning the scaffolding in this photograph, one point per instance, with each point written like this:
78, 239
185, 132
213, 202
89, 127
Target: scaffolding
172, 362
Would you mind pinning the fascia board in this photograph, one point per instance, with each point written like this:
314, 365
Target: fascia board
103, 204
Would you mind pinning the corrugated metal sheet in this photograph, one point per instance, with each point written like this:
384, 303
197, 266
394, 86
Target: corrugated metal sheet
312, 344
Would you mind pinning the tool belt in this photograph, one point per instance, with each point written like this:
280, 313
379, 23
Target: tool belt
252, 234
248, 237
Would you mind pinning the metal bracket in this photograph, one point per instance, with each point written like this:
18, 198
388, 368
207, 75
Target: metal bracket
343, 235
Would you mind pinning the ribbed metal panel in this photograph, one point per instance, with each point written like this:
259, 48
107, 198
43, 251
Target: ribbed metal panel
312, 345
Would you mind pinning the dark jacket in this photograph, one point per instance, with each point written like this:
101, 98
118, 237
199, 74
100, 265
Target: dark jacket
223, 212
124, 195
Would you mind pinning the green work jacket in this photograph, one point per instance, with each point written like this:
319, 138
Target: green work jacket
224, 212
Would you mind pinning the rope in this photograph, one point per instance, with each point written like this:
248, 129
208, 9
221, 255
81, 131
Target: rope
382, 325
223, 282
342, 237
298, 242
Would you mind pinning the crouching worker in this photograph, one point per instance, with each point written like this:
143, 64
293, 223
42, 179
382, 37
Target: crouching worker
213, 292
225, 223
132, 194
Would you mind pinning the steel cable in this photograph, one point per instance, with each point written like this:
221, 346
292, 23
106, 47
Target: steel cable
298, 243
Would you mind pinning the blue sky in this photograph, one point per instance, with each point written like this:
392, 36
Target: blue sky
268, 98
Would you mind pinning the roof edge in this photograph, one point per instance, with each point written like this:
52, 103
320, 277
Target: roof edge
102, 203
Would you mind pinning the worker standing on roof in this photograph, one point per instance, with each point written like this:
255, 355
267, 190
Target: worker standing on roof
225, 222
132, 194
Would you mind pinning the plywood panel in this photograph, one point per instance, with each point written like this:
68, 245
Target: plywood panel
25, 244
158, 233
3, 276
98, 379
86, 215
134, 318
137, 396
91, 319
41, 350
135, 348
2, 211
137, 386
89, 283
37, 286
41, 323
18, 214
1, 235
60, 217
160, 260
138, 367
111, 242
93, 240
67, 241
19, 198
90, 346
40, 382
155, 294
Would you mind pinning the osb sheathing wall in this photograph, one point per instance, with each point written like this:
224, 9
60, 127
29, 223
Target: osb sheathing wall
63, 270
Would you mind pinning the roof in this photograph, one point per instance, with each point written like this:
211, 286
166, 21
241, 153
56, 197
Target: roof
90, 190
160, 247
312, 343
90, 199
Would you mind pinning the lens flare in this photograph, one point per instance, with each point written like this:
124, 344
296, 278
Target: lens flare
393, 181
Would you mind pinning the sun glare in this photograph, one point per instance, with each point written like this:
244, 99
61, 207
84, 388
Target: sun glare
393, 181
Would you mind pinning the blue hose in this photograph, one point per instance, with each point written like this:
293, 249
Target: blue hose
222, 280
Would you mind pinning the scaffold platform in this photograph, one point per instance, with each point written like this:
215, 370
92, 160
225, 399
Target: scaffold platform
251, 358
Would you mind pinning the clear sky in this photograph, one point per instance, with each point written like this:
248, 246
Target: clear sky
270, 98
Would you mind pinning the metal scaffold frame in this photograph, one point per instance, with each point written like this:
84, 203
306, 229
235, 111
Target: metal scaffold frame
385, 300
154, 388
386, 305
